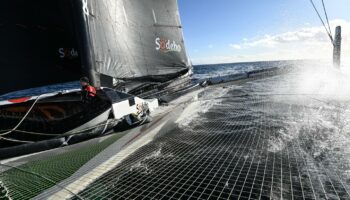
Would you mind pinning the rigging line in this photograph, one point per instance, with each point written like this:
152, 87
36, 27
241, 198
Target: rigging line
43, 177
60, 134
22, 120
14, 140
324, 25
325, 12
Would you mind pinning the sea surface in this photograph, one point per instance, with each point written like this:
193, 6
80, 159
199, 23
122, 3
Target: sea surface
280, 137
215, 70
200, 72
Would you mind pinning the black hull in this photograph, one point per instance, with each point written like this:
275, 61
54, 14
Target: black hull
51, 118
44, 145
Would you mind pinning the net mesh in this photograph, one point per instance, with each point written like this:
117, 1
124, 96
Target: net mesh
251, 143
30, 179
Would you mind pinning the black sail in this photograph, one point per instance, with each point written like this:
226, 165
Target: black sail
135, 39
38, 44
110, 41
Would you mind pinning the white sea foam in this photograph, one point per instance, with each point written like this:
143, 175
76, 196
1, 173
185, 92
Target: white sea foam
200, 104
327, 81
316, 115
224, 70
319, 79
4, 192
277, 144
142, 165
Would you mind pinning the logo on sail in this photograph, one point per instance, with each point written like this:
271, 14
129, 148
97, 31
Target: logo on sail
166, 46
69, 53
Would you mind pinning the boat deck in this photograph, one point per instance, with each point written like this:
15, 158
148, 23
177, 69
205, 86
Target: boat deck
265, 139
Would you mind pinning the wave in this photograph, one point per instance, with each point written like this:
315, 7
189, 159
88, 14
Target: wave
312, 107
218, 70
306, 113
201, 104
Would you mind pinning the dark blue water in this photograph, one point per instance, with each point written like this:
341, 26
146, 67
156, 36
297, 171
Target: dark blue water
40, 90
200, 72
210, 71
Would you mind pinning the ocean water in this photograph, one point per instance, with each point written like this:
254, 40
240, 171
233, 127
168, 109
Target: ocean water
298, 124
210, 71
200, 72
281, 137
40, 90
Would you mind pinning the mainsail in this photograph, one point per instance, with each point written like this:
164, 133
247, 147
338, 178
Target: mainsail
111, 41
38, 44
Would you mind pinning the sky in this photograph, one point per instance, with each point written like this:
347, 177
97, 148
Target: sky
225, 31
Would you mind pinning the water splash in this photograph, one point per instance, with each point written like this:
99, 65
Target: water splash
142, 165
201, 104
4, 194
315, 112
325, 80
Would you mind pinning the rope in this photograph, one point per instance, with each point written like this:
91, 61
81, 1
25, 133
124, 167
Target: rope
48, 134
7, 132
14, 140
22, 120
105, 128
325, 12
324, 25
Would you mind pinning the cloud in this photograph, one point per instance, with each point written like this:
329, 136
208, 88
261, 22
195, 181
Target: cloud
305, 36
210, 46
303, 43
215, 59
236, 46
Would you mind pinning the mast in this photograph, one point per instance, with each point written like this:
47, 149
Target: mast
336, 41
337, 48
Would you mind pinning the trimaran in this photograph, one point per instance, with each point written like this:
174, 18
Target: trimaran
125, 48
132, 51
